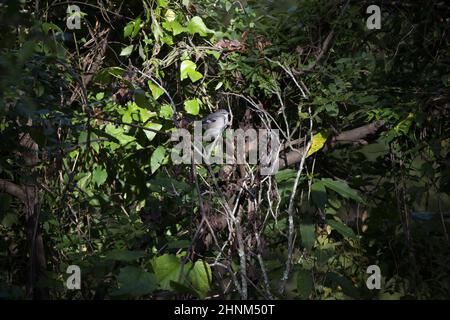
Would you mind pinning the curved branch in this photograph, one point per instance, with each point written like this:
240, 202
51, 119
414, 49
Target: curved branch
12, 189
347, 137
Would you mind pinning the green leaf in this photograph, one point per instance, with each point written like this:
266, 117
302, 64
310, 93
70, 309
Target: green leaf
9, 220
151, 134
305, 283
163, 3
167, 268
119, 133
343, 229
342, 188
285, 175
307, 232
344, 283
177, 28
192, 106
124, 255
214, 53
196, 25
157, 158
99, 96
128, 30
127, 50
166, 111
188, 69
156, 91
99, 176
47, 26
137, 27
83, 180
133, 281
200, 277
319, 194
141, 100
179, 244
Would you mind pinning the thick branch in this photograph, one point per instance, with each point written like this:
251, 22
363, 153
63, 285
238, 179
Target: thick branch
12, 189
357, 134
347, 137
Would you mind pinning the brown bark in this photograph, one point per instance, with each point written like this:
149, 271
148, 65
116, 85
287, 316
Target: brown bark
28, 194
347, 137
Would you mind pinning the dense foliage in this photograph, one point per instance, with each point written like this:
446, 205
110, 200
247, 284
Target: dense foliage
86, 176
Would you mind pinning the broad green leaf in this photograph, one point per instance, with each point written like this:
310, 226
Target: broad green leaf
163, 3
319, 194
83, 180
192, 106
124, 255
167, 268
9, 220
200, 277
318, 141
285, 175
99, 176
183, 288
156, 91
141, 100
133, 281
177, 28
228, 6
119, 133
342, 188
99, 96
343, 229
305, 283
215, 54
151, 134
128, 30
188, 69
307, 232
157, 158
167, 40
127, 50
196, 25
166, 111
137, 27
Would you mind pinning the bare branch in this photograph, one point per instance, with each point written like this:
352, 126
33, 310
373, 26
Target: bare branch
12, 189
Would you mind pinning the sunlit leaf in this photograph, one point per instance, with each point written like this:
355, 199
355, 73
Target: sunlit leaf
157, 158
188, 69
156, 91
127, 50
192, 106
196, 25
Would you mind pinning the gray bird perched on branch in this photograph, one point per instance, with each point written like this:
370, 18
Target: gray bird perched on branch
214, 124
